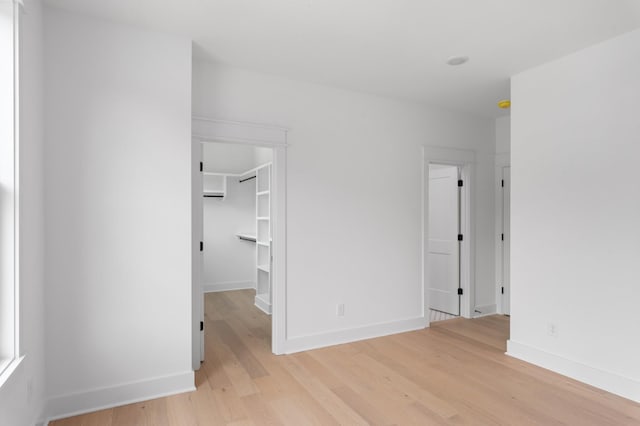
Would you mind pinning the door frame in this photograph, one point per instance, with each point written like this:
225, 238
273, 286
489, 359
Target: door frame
502, 160
465, 160
212, 130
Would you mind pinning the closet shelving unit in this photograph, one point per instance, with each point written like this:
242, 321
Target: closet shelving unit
263, 238
214, 185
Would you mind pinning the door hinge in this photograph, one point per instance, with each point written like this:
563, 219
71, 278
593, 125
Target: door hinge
460, 292
460, 182
201, 325
201, 166
502, 183
201, 246
502, 290
460, 237
502, 237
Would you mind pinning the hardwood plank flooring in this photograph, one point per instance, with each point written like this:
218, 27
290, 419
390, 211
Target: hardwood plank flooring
454, 373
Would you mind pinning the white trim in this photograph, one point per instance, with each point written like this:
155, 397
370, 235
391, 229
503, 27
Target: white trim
214, 130
464, 159
10, 283
228, 286
255, 134
127, 393
262, 305
16, 181
7, 367
279, 250
305, 343
484, 310
610, 382
502, 160
255, 169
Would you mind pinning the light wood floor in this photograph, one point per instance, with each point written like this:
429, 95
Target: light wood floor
453, 373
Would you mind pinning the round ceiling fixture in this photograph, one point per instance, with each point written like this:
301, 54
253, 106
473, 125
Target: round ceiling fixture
457, 60
504, 104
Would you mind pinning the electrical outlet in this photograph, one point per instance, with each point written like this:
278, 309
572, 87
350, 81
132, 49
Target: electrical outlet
552, 329
340, 309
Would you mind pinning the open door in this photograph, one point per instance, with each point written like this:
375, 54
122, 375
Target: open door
197, 261
506, 240
444, 247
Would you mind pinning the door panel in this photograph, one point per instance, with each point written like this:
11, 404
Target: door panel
443, 258
506, 243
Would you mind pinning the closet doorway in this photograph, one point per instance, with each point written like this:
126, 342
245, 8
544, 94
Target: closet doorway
268, 167
236, 244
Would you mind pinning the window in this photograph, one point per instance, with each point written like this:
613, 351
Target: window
8, 193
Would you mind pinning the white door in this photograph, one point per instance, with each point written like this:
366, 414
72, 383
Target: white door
506, 242
444, 254
198, 263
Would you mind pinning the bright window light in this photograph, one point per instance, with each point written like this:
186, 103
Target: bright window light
8, 194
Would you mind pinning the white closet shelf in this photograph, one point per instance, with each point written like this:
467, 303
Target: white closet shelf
262, 218
246, 237
213, 193
264, 268
263, 193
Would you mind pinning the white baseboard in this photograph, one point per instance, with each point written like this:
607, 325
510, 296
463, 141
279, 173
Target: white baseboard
611, 382
485, 310
263, 306
229, 285
102, 398
305, 343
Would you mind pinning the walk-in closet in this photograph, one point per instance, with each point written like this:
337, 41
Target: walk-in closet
236, 241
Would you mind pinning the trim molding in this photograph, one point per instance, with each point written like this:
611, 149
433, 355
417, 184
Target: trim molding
485, 310
127, 393
228, 285
263, 306
304, 343
214, 130
610, 382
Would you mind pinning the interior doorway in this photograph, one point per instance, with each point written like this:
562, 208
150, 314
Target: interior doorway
448, 254
445, 287
236, 244
206, 130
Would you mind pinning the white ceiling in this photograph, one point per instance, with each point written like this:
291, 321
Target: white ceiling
394, 48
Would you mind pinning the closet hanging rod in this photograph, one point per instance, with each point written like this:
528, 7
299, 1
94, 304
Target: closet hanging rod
213, 196
249, 178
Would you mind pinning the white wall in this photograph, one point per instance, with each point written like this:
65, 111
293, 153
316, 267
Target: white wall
118, 218
22, 397
354, 170
231, 158
262, 156
503, 135
575, 209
